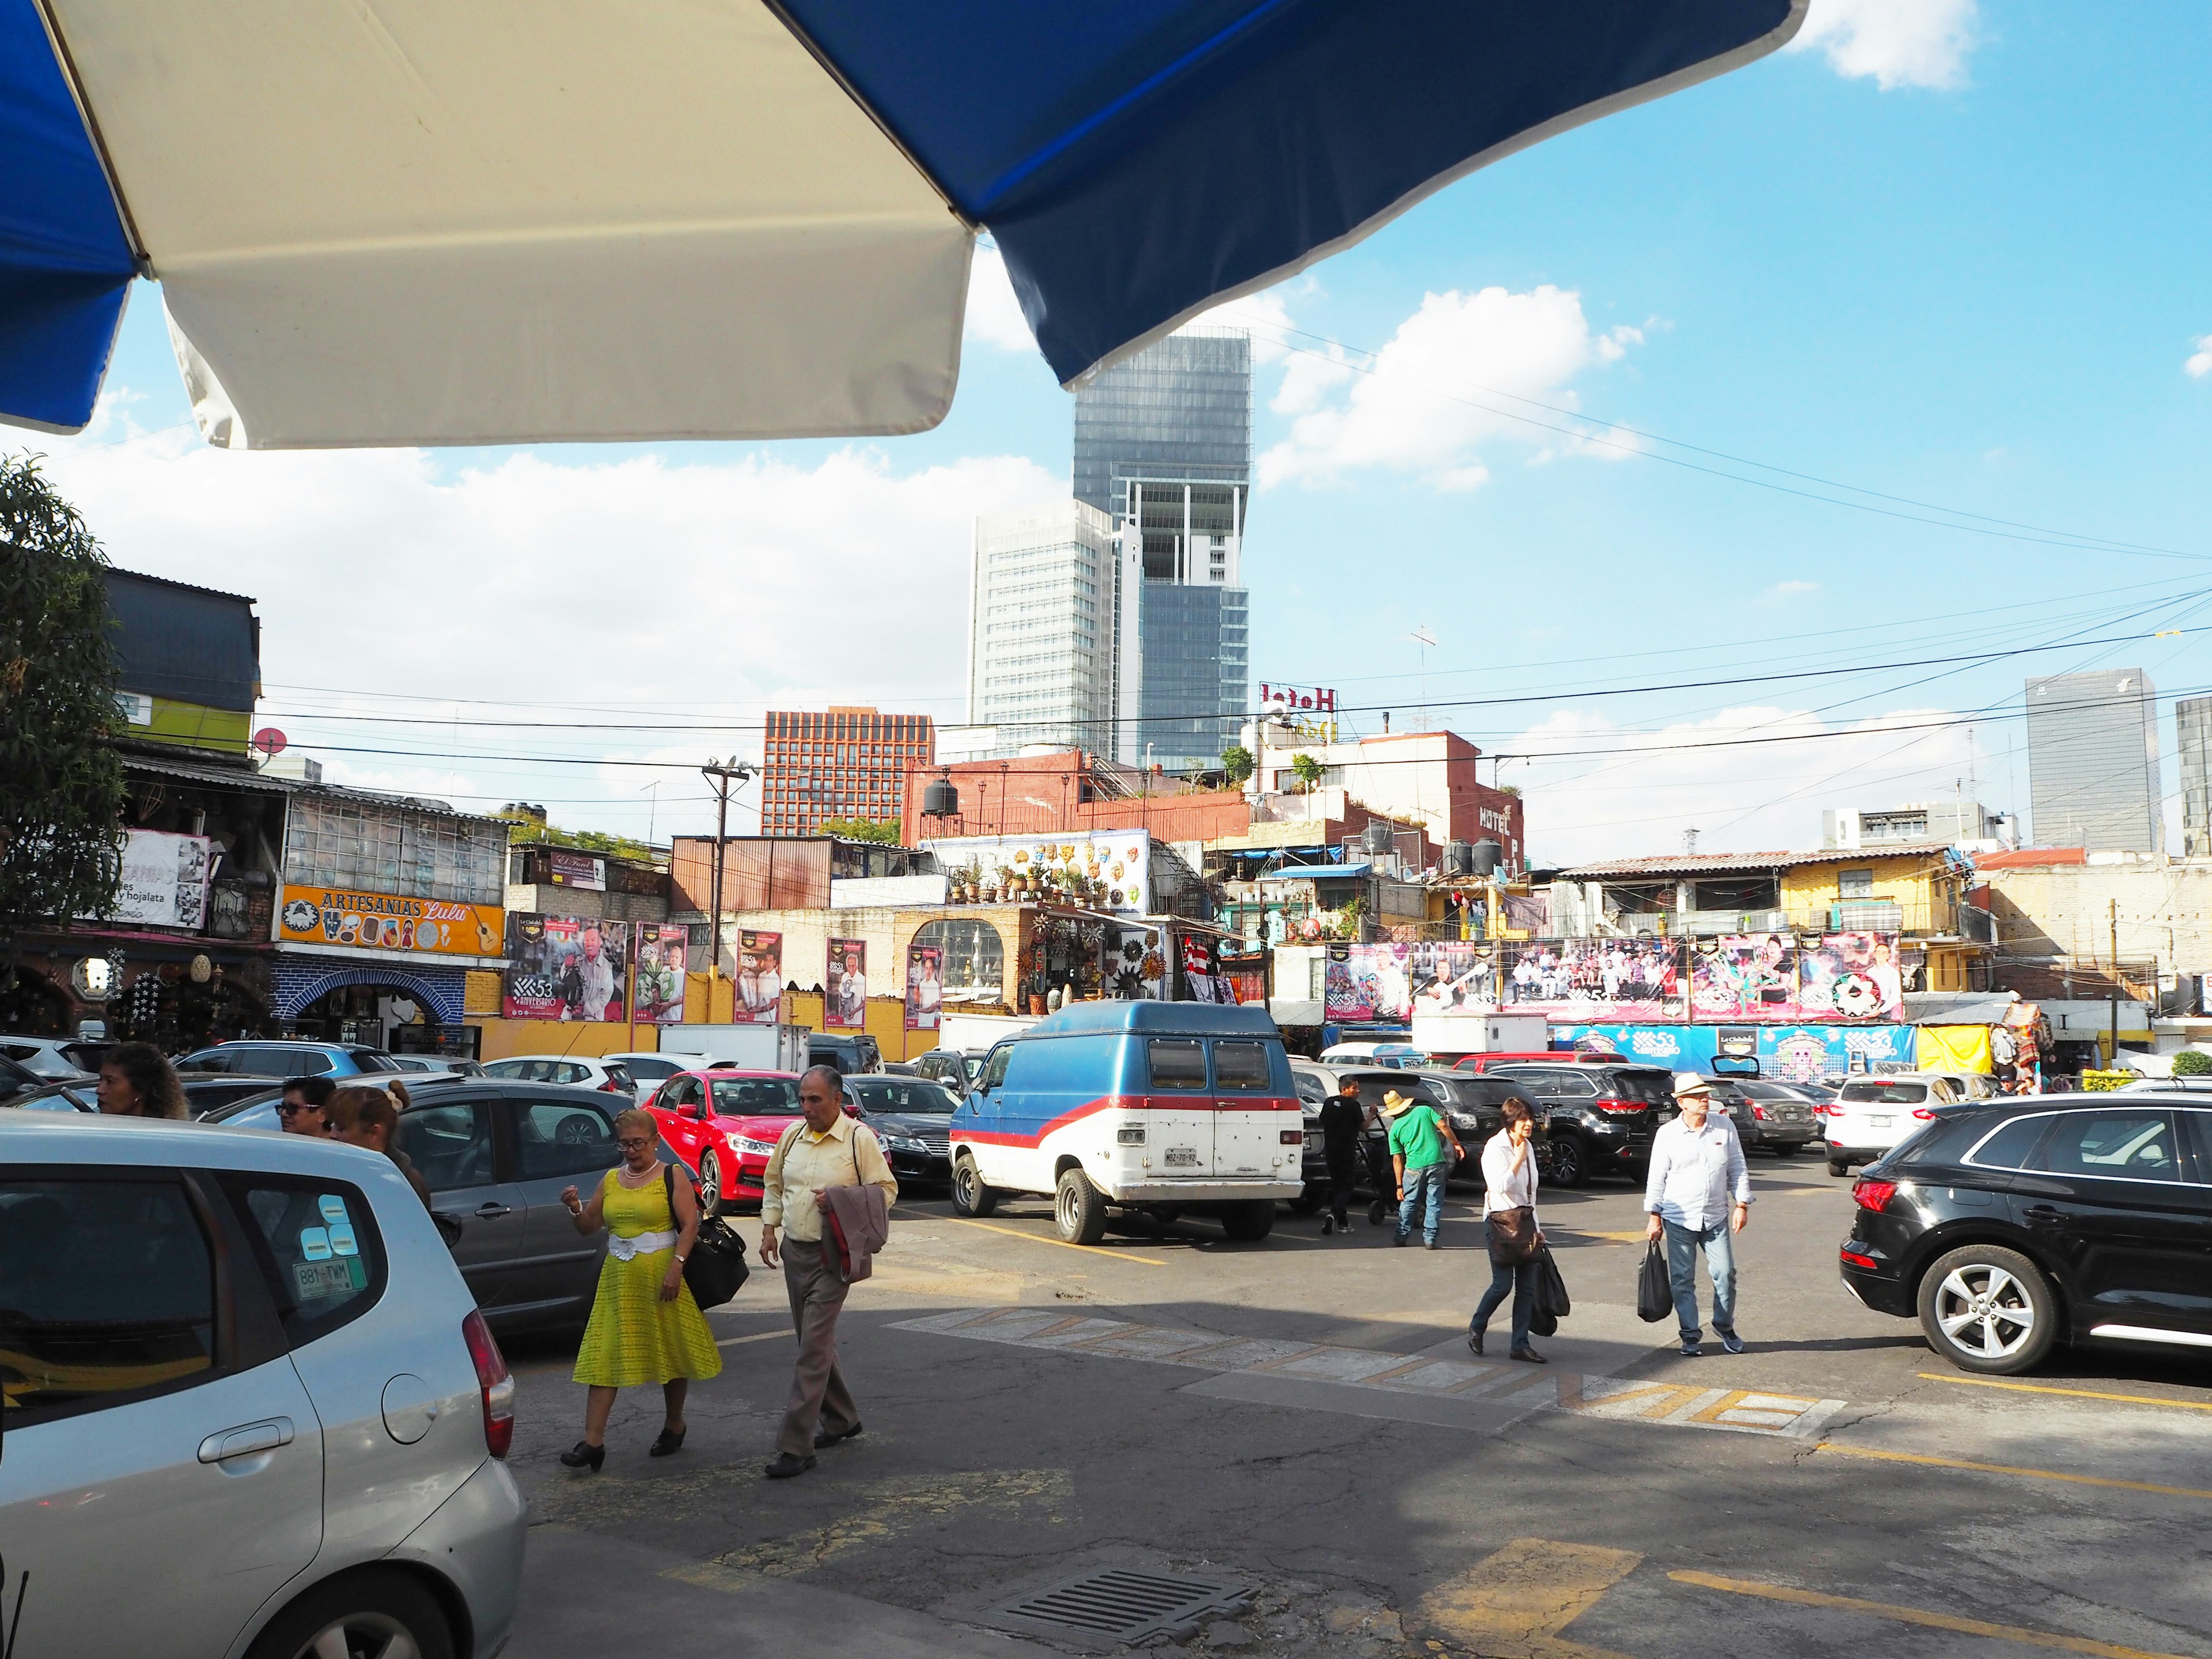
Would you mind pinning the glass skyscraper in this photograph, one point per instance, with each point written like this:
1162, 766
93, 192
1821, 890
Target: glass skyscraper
2093, 759
1040, 622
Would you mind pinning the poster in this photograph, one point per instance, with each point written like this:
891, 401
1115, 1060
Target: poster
384, 921
1108, 870
1851, 977
1745, 976
568, 967
663, 953
845, 987
1785, 1053
1601, 979
759, 978
165, 880
579, 870
925, 986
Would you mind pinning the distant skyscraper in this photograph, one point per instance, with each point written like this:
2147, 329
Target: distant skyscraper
1041, 630
1164, 446
844, 764
2192, 721
2093, 759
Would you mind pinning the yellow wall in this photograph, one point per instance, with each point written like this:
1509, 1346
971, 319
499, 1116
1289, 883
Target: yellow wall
886, 1024
1911, 882
193, 725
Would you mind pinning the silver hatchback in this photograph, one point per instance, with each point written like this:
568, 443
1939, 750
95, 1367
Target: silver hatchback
251, 1406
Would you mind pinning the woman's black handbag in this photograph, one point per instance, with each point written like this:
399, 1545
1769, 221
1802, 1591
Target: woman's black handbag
716, 1270
1654, 1295
1512, 1235
1550, 1305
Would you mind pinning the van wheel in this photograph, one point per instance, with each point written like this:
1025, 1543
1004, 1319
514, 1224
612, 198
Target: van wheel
1078, 1209
375, 1611
971, 1196
1988, 1309
710, 1184
1250, 1222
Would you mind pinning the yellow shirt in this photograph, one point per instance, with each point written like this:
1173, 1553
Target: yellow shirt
804, 1162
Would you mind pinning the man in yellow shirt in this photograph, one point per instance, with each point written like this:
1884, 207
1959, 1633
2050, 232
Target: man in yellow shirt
824, 1149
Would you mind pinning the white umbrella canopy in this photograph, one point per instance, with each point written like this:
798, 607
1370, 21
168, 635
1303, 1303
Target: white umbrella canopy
409, 221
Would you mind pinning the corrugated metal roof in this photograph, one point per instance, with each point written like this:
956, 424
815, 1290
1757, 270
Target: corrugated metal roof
244, 777
1317, 872
1706, 864
1958, 1007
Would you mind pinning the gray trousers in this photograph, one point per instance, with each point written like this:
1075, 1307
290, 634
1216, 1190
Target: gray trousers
819, 1397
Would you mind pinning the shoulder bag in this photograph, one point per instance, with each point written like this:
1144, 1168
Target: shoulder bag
1513, 1235
716, 1270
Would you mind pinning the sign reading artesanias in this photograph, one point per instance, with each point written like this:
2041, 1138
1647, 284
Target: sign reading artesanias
385, 922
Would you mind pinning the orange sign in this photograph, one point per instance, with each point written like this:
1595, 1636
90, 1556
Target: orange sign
384, 921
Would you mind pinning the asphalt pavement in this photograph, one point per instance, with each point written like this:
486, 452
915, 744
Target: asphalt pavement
1298, 1429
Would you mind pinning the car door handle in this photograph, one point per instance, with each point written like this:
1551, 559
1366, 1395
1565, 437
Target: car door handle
2043, 1212
490, 1210
245, 1440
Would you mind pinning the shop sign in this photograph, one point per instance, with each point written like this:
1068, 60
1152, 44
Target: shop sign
845, 1005
579, 870
759, 978
165, 880
384, 921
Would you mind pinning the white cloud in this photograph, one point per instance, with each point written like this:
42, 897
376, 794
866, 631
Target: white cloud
994, 315
1901, 43
1795, 590
1266, 315
1430, 398
2200, 364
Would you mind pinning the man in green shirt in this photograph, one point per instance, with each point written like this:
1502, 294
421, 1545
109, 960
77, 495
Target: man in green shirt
1422, 1150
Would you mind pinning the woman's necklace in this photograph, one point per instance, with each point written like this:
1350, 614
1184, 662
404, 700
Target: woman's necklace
628, 1179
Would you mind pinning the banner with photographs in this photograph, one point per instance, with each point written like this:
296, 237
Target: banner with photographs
664, 952
1745, 976
1593, 979
925, 986
760, 979
570, 968
845, 999
1851, 977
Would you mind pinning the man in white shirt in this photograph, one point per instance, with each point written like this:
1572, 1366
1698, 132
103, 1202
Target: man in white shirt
1698, 1196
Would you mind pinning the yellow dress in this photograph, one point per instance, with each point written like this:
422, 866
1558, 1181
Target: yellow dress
634, 1337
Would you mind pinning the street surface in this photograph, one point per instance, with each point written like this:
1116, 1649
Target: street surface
1301, 1418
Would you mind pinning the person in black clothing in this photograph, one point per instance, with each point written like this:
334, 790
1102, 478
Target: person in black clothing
1343, 1121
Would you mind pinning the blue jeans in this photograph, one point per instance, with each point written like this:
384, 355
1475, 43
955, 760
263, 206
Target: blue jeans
1424, 1188
1519, 1277
1682, 1246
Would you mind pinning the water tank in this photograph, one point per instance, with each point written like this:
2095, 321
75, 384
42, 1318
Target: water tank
1459, 858
940, 799
1375, 838
1488, 855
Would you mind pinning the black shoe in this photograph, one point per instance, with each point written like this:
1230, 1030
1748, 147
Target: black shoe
582, 1456
787, 1464
670, 1440
1531, 1356
1328, 1225
1474, 1343
826, 1438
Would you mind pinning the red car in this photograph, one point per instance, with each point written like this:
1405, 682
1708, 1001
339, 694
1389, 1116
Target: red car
725, 1124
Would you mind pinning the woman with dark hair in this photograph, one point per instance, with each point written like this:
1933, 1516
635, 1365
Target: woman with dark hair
136, 1081
1509, 1175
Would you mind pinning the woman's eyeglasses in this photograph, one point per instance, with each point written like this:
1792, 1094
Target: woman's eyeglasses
289, 1108
631, 1143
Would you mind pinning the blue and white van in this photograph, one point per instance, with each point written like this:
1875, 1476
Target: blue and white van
1157, 1106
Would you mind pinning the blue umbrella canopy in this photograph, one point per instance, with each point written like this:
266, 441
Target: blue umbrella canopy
406, 221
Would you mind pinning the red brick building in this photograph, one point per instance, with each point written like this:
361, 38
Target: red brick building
844, 763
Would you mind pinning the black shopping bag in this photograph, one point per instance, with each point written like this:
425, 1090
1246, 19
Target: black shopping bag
1654, 1295
1550, 1305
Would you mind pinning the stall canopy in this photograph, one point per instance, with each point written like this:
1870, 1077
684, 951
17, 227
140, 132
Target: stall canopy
417, 222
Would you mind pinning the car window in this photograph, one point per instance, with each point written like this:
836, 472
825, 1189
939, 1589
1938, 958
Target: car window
501, 1067
1242, 1067
756, 1097
648, 1070
1178, 1064
901, 1095
682, 1093
558, 1138
1895, 1094
994, 1068
1657, 1088
2011, 1145
1578, 1085
1945, 1141
449, 1145
621, 1075
1309, 1087
2198, 1128
323, 1240
2136, 1145
373, 1060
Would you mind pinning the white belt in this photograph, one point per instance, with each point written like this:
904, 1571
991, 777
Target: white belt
622, 1249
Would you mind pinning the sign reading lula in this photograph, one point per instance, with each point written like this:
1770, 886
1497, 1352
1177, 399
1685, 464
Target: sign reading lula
384, 921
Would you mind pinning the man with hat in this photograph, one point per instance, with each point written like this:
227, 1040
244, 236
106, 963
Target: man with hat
1423, 1149
1698, 1196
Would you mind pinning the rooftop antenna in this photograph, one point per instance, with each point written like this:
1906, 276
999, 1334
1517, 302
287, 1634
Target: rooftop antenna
1422, 637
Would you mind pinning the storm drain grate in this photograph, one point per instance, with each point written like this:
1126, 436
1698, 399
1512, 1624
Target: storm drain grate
1124, 1604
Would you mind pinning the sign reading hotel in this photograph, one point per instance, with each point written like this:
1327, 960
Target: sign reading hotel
384, 921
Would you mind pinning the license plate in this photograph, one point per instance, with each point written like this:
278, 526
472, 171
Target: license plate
1183, 1158
1878, 1122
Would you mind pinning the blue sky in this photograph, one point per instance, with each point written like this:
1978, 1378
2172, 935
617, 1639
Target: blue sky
1953, 255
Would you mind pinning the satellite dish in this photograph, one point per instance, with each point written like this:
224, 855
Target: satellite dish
270, 742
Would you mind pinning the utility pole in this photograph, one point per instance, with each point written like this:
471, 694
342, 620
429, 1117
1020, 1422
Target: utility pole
2114, 1060
721, 773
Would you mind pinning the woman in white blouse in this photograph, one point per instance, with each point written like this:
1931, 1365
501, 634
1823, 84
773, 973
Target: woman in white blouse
1509, 1175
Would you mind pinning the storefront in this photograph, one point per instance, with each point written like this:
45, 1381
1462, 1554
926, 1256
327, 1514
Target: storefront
382, 969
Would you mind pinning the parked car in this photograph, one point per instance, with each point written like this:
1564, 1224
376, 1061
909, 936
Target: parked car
1396, 1056
955, 1068
1769, 1117
2008, 1225
724, 1124
1543, 1057
647, 1067
1967, 1086
570, 1070
900, 1068
1469, 1101
912, 1116
851, 1052
258, 1354
288, 1057
214, 1091
1599, 1116
1870, 1115
59, 1060
21, 1086
450, 1064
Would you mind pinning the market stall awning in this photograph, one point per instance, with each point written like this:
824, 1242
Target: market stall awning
413, 221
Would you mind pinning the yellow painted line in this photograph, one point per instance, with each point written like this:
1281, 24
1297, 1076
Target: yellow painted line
2034, 1638
1036, 1238
2006, 1468
757, 1336
1518, 1601
2077, 1394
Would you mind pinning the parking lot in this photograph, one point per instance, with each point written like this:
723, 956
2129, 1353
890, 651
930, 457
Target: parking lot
1300, 1420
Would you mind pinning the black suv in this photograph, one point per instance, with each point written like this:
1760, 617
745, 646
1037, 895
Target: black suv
2006, 1225
848, 1054
1600, 1119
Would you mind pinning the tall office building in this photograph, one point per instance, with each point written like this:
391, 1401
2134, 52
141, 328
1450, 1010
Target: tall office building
1163, 446
2093, 759
2192, 721
1041, 632
843, 763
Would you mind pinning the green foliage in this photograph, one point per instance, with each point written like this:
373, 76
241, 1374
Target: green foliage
883, 831
2192, 1063
61, 783
1236, 761
528, 829
1309, 771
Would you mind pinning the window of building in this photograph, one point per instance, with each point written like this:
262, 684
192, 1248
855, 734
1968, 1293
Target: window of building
1854, 883
973, 960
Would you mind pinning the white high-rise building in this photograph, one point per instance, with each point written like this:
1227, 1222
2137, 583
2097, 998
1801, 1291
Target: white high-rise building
1042, 639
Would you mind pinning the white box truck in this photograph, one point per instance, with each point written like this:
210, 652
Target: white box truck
750, 1048
1451, 1037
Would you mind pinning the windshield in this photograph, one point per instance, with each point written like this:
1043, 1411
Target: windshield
756, 1097
1655, 1087
894, 1094
374, 1059
1902, 1094
16, 1080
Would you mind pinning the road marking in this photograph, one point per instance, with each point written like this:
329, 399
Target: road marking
757, 1336
1034, 1238
2077, 1393
2035, 1638
2006, 1468
1516, 1601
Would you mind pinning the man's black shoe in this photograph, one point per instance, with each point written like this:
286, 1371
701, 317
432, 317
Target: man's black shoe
787, 1464
826, 1438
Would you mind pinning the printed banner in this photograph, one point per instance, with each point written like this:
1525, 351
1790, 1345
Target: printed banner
1786, 1054
925, 986
1581, 979
165, 880
1103, 870
381, 922
1851, 977
663, 952
845, 999
759, 978
1745, 976
570, 968
579, 870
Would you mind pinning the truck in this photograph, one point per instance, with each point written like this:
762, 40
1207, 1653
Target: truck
748, 1048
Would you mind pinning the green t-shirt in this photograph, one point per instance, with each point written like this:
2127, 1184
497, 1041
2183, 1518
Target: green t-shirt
1416, 1136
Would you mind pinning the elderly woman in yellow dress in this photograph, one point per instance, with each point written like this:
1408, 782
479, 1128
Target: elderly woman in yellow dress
645, 1327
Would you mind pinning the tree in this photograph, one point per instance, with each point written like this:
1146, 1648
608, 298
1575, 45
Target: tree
883, 831
1237, 763
2191, 1062
528, 828
1309, 771
61, 781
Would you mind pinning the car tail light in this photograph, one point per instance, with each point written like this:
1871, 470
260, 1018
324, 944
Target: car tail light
611, 1087
1857, 1259
1292, 1137
494, 1381
1871, 1194
1924, 1113
1759, 1112
1621, 1106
